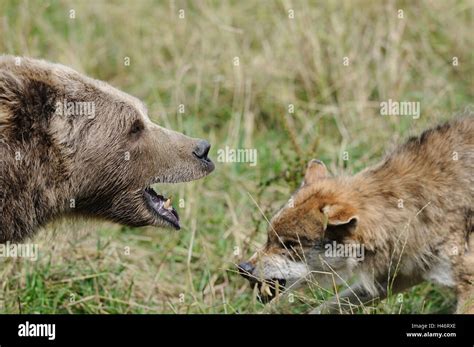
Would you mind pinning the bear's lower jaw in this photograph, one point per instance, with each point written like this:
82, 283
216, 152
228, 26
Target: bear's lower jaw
161, 207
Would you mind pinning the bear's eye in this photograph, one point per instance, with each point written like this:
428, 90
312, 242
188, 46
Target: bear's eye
136, 127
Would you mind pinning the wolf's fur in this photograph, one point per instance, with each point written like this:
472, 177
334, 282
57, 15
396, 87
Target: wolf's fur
52, 164
413, 214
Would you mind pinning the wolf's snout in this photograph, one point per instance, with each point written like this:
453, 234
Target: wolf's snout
245, 269
202, 150
268, 289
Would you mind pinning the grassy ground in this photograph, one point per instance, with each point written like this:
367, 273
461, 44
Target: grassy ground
92, 267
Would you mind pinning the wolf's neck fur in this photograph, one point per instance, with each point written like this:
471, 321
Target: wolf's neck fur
407, 203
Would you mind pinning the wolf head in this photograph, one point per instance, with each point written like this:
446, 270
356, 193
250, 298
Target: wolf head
307, 236
74, 145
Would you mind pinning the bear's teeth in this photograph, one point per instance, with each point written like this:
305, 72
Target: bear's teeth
167, 204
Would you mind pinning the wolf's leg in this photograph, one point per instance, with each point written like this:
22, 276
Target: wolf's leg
345, 300
465, 281
465, 298
351, 298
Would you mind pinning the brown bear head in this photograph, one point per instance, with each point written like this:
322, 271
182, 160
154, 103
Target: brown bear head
74, 145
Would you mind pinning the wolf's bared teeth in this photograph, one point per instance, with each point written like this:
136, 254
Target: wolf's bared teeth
265, 289
262, 288
168, 204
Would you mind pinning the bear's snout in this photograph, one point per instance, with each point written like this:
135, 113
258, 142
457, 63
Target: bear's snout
202, 149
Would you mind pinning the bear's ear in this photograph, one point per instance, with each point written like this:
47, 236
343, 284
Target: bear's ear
3, 117
315, 170
10, 89
25, 103
11, 92
340, 221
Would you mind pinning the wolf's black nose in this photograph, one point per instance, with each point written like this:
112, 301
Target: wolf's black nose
245, 269
202, 149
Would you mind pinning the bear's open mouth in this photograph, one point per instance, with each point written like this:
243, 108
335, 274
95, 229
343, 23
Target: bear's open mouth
161, 207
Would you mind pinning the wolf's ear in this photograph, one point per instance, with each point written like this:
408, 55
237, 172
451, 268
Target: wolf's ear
315, 170
339, 221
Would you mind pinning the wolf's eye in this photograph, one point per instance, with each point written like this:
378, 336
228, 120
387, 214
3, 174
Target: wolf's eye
319, 245
291, 244
136, 127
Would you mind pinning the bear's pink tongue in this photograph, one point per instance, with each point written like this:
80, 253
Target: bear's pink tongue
162, 207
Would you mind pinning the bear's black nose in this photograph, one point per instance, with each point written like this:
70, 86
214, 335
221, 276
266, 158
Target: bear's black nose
202, 149
245, 269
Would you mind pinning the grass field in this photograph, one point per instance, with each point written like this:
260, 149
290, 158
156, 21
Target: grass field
239, 68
